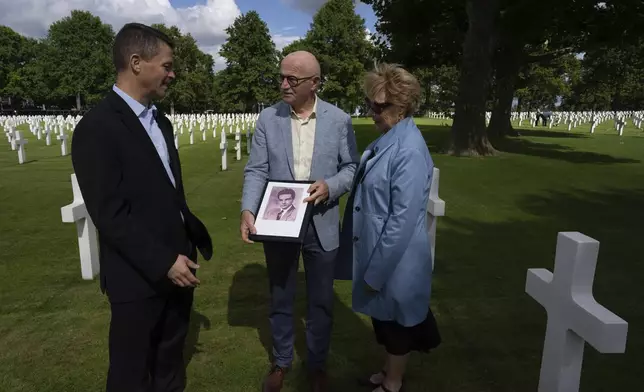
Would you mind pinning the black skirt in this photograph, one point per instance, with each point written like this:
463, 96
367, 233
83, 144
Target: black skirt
400, 340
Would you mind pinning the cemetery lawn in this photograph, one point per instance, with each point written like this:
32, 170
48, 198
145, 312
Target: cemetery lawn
503, 215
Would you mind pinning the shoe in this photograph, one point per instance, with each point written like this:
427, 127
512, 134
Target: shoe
319, 381
275, 379
366, 381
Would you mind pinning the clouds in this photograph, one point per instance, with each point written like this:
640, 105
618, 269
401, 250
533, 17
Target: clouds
206, 22
308, 6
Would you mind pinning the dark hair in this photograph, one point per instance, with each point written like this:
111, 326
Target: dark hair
137, 38
286, 191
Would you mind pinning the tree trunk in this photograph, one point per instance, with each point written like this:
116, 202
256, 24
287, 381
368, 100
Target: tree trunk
469, 135
78, 101
507, 73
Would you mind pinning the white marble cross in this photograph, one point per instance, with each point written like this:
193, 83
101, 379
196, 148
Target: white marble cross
87, 243
238, 144
48, 136
176, 140
435, 208
223, 146
12, 140
63, 143
192, 135
20, 145
574, 317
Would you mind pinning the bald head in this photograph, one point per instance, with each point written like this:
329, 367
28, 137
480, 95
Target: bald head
302, 61
300, 79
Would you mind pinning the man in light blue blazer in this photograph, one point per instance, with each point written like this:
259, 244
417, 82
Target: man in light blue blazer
301, 138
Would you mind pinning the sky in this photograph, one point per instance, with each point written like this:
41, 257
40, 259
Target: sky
206, 20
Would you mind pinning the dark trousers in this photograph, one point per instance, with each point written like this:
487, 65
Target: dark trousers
146, 344
282, 265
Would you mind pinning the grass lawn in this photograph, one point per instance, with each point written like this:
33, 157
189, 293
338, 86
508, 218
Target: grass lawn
503, 215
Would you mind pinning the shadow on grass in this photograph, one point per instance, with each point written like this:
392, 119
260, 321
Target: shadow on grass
556, 151
494, 331
553, 134
248, 306
191, 347
437, 137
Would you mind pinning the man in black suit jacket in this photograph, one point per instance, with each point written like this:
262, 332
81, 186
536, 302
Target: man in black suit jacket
130, 177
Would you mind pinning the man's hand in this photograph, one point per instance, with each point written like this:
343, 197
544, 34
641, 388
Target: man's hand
180, 273
318, 192
247, 226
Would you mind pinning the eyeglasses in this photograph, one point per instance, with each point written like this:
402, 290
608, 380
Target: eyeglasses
376, 107
293, 81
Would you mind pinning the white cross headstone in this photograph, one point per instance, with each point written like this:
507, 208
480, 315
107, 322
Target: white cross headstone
87, 243
176, 140
48, 137
63, 143
12, 140
223, 146
20, 145
192, 136
238, 144
574, 317
435, 208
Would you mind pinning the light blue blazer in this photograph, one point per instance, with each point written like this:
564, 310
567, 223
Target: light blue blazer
384, 235
335, 157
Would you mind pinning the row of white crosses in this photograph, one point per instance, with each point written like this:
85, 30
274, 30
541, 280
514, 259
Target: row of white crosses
574, 119
233, 123
37, 125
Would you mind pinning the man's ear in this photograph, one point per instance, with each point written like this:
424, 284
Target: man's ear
135, 63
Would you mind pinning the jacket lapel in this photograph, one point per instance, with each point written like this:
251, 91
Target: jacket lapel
168, 136
132, 122
322, 130
379, 152
285, 126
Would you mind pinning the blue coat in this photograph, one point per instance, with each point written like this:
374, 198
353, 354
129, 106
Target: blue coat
384, 235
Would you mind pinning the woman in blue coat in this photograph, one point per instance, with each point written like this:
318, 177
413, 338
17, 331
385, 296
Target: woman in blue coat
385, 227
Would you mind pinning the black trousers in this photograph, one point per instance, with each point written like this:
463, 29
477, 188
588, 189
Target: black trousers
319, 266
146, 344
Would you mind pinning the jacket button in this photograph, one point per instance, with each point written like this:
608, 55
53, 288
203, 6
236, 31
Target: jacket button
357, 208
355, 239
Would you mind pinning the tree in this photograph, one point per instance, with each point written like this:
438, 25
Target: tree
611, 79
252, 64
20, 77
338, 40
440, 87
78, 55
469, 136
192, 88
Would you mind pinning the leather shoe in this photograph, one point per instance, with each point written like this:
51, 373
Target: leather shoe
275, 379
319, 381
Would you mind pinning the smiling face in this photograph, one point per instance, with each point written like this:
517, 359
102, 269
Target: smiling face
156, 73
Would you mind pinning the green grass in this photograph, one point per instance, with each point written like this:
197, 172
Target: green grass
503, 215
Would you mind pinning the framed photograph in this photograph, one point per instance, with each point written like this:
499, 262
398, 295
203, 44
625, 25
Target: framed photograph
282, 215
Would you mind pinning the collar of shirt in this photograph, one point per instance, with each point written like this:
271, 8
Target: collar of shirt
315, 108
137, 107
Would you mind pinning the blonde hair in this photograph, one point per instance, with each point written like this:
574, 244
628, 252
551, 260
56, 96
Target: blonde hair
401, 88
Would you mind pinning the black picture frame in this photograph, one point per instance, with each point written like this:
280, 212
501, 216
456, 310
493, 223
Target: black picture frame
265, 230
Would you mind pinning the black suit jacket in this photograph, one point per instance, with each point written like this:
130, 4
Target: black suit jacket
131, 200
